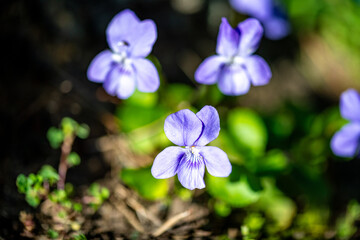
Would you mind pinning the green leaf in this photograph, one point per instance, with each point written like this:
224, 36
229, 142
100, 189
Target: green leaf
132, 117
21, 183
73, 159
143, 99
144, 183
82, 131
282, 209
52, 234
77, 207
240, 189
177, 93
105, 193
68, 126
100, 194
48, 173
58, 196
273, 162
79, 237
248, 129
55, 137
32, 198
222, 209
69, 189
94, 190
346, 225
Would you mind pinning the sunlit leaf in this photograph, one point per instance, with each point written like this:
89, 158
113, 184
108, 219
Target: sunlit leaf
143, 99
248, 129
82, 131
68, 126
73, 159
55, 137
238, 190
221, 208
144, 183
49, 174
132, 117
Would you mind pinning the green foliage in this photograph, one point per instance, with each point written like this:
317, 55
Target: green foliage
69, 127
144, 183
178, 93
274, 162
99, 194
282, 210
253, 223
21, 183
49, 174
345, 225
143, 99
79, 237
82, 131
32, 187
240, 189
73, 159
55, 137
248, 129
221, 208
52, 234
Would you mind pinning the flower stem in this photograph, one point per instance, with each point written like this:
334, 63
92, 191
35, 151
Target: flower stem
63, 166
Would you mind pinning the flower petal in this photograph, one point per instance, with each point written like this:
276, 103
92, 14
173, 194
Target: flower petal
251, 33
345, 142
120, 82
228, 39
209, 69
183, 128
211, 128
234, 81
100, 66
166, 163
276, 28
350, 105
259, 9
126, 31
258, 70
191, 173
147, 77
145, 38
216, 161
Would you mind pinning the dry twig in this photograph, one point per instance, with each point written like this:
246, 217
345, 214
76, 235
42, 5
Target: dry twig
171, 222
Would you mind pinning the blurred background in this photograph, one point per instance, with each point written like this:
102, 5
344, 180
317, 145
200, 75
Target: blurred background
286, 183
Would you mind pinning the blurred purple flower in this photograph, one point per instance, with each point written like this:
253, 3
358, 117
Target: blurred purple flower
346, 142
193, 131
271, 15
234, 68
125, 68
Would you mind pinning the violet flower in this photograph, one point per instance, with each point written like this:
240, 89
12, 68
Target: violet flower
271, 15
234, 68
192, 131
125, 68
346, 142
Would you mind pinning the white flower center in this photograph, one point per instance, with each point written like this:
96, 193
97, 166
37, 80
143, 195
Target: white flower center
236, 60
193, 154
121, 54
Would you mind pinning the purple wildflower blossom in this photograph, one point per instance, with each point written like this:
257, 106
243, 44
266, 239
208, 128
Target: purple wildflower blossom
234, 68
271, 15
192, 131
125, 68
345, 142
